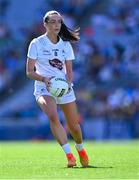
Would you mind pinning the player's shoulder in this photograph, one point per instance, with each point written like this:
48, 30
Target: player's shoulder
38, 39
42, 37
66, 43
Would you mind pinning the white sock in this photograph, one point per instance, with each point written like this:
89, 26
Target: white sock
66, 148
79, 147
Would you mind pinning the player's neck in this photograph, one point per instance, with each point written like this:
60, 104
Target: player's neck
52, 37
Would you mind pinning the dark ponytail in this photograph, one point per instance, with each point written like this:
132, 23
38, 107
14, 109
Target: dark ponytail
68, 34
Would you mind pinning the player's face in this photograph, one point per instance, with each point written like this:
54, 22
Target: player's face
54, 24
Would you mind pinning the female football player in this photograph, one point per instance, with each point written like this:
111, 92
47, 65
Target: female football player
51, 55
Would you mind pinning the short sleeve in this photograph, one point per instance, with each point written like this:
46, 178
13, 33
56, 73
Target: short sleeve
69, 52
32, 50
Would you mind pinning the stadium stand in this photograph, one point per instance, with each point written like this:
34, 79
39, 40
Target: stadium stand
106, 69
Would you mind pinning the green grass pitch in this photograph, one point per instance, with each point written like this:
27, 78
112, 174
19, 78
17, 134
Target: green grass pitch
46, 160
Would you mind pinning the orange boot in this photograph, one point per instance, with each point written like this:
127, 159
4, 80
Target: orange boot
71, 160
84, 160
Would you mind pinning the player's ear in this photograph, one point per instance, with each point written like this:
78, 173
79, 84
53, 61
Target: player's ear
45, 24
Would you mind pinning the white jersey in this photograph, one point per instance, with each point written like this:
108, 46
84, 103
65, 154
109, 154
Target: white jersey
50, 58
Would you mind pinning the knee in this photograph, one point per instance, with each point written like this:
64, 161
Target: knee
53, 116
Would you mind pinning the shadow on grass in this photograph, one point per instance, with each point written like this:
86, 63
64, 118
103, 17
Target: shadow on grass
92, 167
80, 167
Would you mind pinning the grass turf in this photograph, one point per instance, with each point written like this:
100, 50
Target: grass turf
45, 160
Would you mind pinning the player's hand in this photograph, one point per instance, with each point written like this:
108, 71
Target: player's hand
70, 88
47, 82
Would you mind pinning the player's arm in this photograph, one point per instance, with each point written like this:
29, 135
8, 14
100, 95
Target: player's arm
69, 71
30, 72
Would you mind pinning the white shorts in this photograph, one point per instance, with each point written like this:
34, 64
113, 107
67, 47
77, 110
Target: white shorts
40, 90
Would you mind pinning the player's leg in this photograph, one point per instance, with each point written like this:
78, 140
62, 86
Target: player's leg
49, 106
71, 115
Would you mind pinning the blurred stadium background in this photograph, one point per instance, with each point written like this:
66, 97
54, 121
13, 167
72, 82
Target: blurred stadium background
106, 69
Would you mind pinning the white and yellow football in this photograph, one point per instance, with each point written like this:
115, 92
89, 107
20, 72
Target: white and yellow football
58, 87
